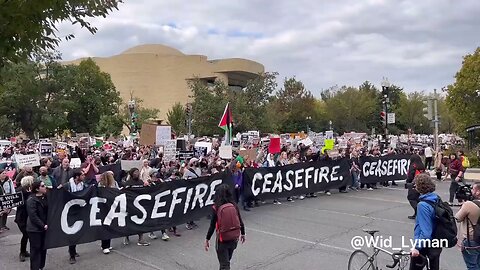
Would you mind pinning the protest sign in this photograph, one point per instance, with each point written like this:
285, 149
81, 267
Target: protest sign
31, 160
386, 168
296, 179
202, 148
307, 141
274, 146
248, 154
170, 150
185, 155
163, 133
105, 213
75, 163
11, 200
45, 149
148, 134
129, 164
225, 151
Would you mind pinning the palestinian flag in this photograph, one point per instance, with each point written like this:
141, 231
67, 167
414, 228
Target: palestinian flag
226, 124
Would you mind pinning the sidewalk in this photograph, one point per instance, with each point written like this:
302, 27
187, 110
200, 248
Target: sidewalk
472, 174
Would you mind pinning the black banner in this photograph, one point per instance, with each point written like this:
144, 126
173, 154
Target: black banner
386, 168
105, 213
11, 200
296, 179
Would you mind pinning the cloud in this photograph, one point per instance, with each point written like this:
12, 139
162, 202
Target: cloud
417, 44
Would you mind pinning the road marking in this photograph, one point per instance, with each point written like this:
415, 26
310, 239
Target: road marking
302, 240
137, 260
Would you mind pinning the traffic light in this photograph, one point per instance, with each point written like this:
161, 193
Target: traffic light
428, 109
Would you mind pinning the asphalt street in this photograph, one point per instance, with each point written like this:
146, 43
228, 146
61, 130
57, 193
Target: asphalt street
313, 233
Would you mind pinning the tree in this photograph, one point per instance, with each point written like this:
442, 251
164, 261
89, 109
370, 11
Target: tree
177, 118
463, 97
143, 113
30, 26
410, 113
109, 125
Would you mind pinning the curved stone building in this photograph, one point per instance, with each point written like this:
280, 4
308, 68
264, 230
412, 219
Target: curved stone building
159, 74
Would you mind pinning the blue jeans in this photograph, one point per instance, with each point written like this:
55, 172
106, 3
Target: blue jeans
355, 183
471, 256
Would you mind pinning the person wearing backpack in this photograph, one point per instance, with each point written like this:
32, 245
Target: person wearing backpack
425, 224
469, 232
227, 222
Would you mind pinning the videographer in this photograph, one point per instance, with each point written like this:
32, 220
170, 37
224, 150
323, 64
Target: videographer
468, 242
456, 171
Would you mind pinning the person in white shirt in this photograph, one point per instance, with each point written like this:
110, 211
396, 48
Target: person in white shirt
428, 157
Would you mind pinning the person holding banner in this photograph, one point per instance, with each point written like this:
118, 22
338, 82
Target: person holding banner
107, 181
37, 209
21, 215
90, 169
63, 173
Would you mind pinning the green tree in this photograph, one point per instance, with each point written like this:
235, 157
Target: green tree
109, 125
177, 118
410, 113
29, 26
143, 113
463, 97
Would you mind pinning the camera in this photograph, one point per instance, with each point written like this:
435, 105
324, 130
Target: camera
464, 192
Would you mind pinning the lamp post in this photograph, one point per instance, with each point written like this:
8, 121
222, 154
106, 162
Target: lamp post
308, 118
385, 86
330, 124
133, 117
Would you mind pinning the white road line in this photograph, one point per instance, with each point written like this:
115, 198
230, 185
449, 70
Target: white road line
301, 240
137, 260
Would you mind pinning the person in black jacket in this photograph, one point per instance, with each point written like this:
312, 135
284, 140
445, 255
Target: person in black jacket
37, 209
416, 167
223, 195
21, 215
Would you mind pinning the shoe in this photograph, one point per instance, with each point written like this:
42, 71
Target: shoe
302, 197
152, 235
328, 193
412, 217
27, 255
143, 243
276, 202
165, 237
195, 225
72, 260
314, 195
189, 227
370, 188
126, 241
343, 191
106, 251
289, 199
394, 184
6, 228
22, 257
77, 255
246, 209
177, 234
450, 204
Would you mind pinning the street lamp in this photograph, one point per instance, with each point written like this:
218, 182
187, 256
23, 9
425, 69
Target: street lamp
385, 86
308, 118
330, 124
133, 117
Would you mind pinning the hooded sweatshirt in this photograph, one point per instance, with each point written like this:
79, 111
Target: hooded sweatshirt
425, 221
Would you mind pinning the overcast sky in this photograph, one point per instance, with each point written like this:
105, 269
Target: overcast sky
416, 44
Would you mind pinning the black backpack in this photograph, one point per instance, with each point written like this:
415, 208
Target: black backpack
476, 228
445, 223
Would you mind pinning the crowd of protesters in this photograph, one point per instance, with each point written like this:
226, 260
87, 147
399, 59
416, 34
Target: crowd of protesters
55, 173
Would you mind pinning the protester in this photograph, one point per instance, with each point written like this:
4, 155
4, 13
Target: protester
456, 171
107, 181
227, 221
425, 224
25, 171
416, 168
468, 217
21, 215
90, 169
134, 181
44, 177
354, 170
192, 171
62, 173
37, 225
428, 157
6, 187
75, 184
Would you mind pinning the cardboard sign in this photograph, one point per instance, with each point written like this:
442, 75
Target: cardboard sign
225, 151
274, 146
75, 163
148, 134
129, 164
11, 200
163, 133
31, 160
249, 154
46, 149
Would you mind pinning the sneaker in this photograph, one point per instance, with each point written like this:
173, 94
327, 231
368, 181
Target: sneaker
343, 191
302, 197
22, 257
77, 255
106, 251
450, 204
314, 195
290, 199
27, 255
412, 217
152, 235
126, 241
165, 237
328, 193
370, 188
177, 234
143, 243
72, 260
189, 227
246, 209
276, 202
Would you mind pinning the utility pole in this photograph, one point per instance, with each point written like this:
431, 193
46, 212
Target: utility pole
189, 119
435, 121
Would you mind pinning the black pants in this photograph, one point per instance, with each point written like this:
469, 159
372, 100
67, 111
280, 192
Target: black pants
72, 250
413, 198
433, 255
225, 252
106, 243
24, 241
428, 162
38, 253
454, 185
